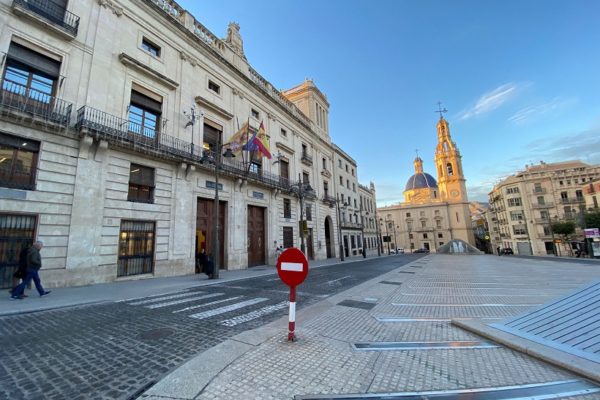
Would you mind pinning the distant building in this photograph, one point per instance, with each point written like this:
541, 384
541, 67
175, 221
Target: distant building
523, 205
432, 213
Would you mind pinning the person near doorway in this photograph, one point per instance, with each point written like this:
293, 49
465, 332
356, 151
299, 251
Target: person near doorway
498, 250
21, 271
34, 263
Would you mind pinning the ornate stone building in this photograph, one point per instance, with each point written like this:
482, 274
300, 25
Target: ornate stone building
113, 115
433, 212
523, 206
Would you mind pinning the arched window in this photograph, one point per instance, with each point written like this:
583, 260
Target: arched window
449, 169
445, 146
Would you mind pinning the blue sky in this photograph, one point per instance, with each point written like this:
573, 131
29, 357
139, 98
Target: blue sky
520, 79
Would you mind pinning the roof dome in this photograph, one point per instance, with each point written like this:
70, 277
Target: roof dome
420, 180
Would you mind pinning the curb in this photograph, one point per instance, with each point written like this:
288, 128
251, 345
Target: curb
570, 362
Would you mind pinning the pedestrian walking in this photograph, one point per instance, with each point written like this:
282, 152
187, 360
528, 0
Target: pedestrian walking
34, 263
21, 271
498, 250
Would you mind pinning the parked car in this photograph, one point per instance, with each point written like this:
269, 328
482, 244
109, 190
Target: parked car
399, 251
421, 251
507, 251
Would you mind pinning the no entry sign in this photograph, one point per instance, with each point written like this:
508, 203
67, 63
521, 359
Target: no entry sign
292, 267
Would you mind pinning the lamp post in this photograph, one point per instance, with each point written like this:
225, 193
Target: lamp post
303, 189
379, 244
386, 234
216, 160
362, 230
337, 203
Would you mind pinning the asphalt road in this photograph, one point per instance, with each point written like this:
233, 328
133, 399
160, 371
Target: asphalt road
117, 350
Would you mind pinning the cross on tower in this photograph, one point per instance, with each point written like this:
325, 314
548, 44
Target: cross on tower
441, 110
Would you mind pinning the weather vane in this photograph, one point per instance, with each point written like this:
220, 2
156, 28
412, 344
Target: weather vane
441, 110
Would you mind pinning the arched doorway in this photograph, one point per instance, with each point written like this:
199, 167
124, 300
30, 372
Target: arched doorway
329, 242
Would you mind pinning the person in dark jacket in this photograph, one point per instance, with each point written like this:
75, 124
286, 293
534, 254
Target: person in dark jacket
34, 263
21, 271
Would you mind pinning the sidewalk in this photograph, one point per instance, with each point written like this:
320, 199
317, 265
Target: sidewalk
131, 289
413, 304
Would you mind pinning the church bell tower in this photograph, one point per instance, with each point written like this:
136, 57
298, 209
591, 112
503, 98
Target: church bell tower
451, 180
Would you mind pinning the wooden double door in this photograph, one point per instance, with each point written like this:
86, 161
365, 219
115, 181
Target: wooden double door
256, 236
205, 228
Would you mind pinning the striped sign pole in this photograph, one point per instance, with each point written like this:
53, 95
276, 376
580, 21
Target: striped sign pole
292, 319
292, 268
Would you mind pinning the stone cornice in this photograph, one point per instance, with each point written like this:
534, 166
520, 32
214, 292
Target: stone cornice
132, 62
118, 11
213, 107
284, 147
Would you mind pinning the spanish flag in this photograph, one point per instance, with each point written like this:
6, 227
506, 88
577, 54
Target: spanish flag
262, 141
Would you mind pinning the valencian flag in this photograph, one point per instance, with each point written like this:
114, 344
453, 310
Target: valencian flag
238, 141
259, 142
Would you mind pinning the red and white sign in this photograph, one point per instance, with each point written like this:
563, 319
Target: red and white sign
292, 267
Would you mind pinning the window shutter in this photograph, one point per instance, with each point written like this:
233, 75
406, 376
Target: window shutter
146, 102
34, 60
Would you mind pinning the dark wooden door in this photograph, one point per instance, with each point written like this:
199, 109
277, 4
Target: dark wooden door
309, 245
205, 228
256, 236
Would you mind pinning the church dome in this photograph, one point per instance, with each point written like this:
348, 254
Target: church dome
420, 180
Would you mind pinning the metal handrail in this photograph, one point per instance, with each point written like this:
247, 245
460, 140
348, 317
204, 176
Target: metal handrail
19, 98
53, 13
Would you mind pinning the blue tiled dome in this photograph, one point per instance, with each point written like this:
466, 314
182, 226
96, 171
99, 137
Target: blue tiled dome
420, 180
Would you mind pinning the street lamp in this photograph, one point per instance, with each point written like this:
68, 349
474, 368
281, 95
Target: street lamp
379, 244
215, 159
337, 202
302, 189
386, 234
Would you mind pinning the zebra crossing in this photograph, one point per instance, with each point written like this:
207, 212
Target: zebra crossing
191, 303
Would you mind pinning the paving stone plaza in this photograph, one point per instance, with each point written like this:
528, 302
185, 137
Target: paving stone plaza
413, 303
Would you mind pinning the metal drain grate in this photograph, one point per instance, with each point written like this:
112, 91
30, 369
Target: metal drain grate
448, 345
391, 283
536, 391
357, 304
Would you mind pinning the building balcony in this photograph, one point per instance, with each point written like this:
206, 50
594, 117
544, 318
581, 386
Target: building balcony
579, 200
351, 225
306, 159
329, 200
22, 103
544, 205
128, 135
542, 220
49, 14
326, 173
538, 191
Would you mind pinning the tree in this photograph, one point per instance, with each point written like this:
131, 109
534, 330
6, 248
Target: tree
564, 229
591, 219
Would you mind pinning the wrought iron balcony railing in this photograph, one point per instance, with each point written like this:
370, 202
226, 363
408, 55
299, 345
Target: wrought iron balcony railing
306, 158
544, 205
51, 12
330, 200
351, 225
19, 101
129, 134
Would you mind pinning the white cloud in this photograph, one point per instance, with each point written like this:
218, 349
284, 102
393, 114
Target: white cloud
491, 100
526, 114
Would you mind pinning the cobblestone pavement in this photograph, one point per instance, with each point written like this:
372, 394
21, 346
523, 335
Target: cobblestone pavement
115, 350
409, 308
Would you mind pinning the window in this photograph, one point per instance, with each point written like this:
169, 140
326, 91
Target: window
211, 135
541, 201
422, 213
352, 171
410, 236
288, 237
144, 115
514, 202
214, 87
284, 172
424, 236
341, 181
354, 187
324, 160
325, 189
308, 212
305, 177
449, 169
287, 208
440, 235
537, 187
519, 230
340, 163
437, 212
283, 133
136, 248
29, 74
150, 47
141, 184
355, 204
547, 230
438, 224
346, 167
16, 233
407, 215
348, 183
516, 215
18, 162
423, 224
564, 196
579, 195
512, 190
254, 113
544, 215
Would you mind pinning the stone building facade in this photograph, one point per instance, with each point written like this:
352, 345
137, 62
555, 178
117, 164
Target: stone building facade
433, 212
523, 205
115, 121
